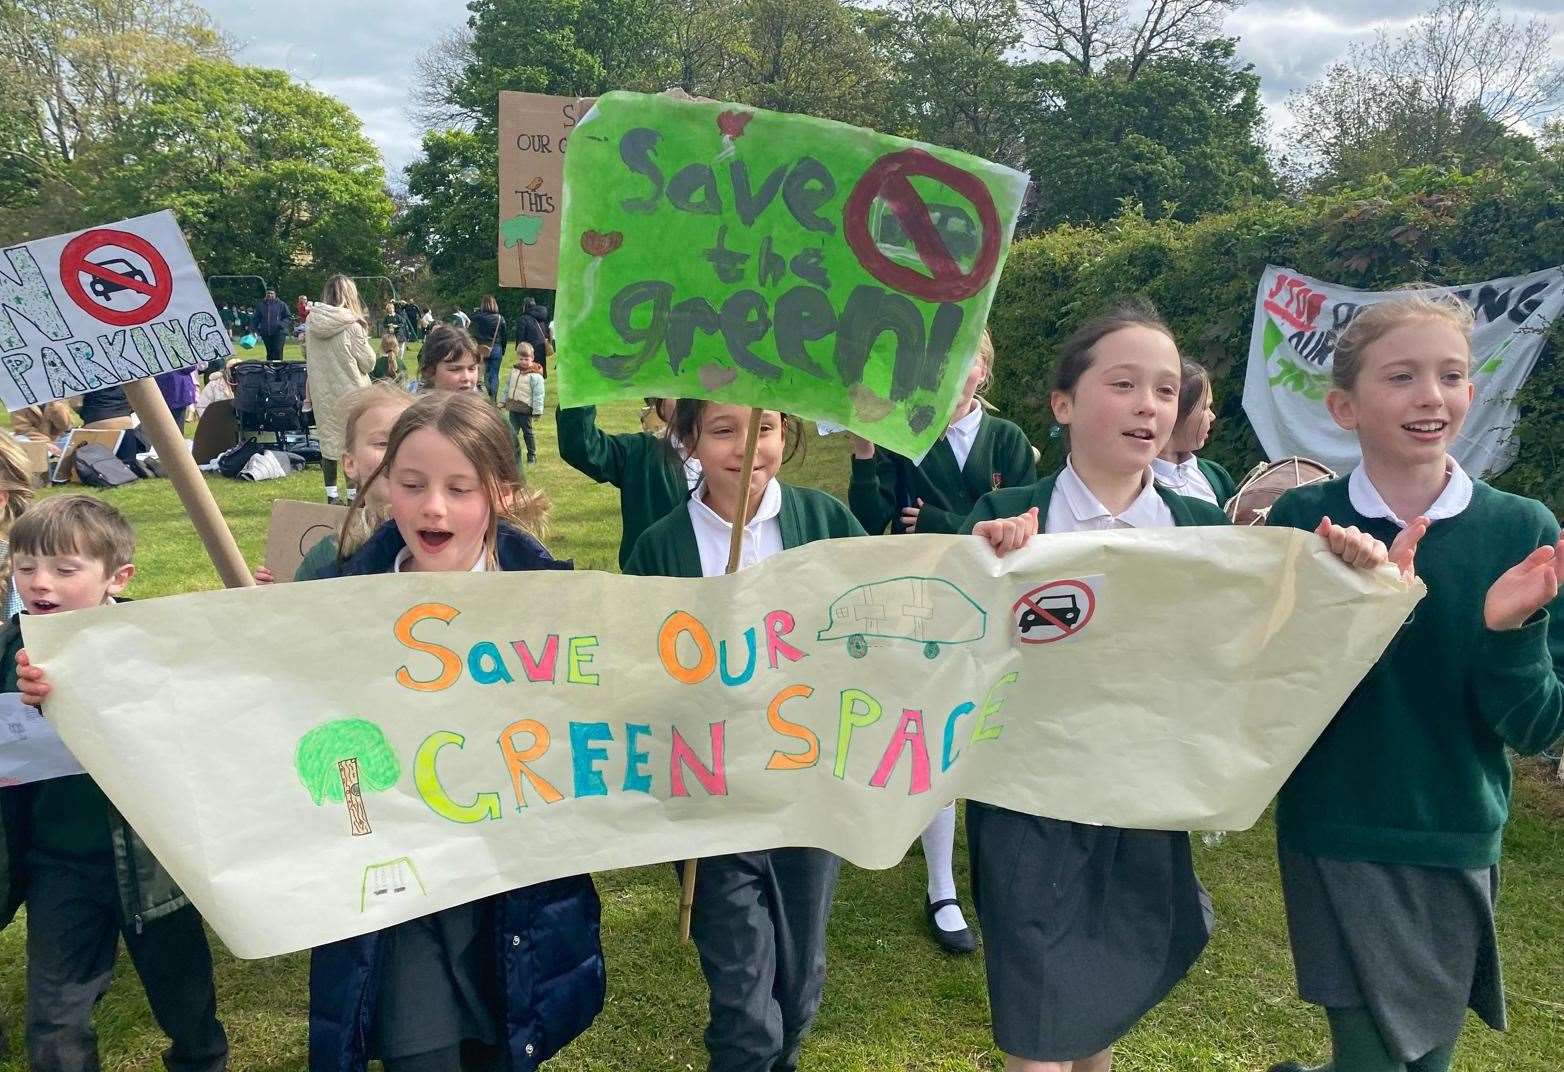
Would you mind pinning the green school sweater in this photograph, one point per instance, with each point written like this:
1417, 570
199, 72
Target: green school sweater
1412, 770
650, 482
70, 815
1001, 457
1220, 479
320, 556
668, 547
1012, 502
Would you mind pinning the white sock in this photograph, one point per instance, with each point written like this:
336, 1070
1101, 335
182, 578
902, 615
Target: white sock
351, 493
939, 845
331, 491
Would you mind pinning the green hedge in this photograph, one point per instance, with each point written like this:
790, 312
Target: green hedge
1421, 225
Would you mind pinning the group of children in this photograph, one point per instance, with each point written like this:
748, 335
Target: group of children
1388, 832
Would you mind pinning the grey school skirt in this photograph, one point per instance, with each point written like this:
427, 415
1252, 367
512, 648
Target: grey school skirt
1085, 928
1416, 946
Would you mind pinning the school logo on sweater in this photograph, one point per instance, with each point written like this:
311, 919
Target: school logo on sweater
999, 481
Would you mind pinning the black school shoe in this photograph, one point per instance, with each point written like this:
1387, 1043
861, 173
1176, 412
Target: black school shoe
954, 942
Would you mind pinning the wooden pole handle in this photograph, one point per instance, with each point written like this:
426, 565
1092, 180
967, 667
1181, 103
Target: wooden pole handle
157, 423
735, 551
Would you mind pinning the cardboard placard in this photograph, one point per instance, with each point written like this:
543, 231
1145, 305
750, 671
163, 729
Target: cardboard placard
100, 307
65, 471
534, 128
296, 527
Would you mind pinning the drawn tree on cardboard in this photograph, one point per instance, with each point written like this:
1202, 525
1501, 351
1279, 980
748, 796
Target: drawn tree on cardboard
339, 760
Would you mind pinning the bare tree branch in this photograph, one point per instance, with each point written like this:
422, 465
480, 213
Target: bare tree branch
436, 72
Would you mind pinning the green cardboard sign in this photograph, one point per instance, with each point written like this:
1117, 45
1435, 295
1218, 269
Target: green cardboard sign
718, 251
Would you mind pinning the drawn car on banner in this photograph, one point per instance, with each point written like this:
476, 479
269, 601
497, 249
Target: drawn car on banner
924, 610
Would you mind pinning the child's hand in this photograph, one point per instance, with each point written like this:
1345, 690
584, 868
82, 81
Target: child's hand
263, 575
909, 516
863, 450
1525, 588
31, 681
1403, 549
1355, 548
1008, 534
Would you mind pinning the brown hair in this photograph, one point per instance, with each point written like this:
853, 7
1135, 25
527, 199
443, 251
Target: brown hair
489, 305
686, 428
75, 525
473, 424
444, 342
1372, 322
1075, 356
1192, 387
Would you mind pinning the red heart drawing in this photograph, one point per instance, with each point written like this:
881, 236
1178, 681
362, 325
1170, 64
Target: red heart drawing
733, 123
600, 244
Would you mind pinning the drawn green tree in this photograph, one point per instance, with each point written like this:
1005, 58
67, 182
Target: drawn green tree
340, 759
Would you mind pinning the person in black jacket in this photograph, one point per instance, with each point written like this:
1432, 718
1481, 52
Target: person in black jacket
488, 327
530, 329
271, 324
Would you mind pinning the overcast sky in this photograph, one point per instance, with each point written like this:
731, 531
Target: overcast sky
361, 52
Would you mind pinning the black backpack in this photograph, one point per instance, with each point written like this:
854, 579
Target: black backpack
232, 462
97, 467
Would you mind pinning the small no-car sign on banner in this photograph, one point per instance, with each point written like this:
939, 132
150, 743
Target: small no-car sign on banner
100, 307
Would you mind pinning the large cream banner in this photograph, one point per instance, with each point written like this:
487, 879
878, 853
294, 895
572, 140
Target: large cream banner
368, 750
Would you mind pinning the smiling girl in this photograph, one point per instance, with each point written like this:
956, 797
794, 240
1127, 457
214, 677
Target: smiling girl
1088, 927
1389, 831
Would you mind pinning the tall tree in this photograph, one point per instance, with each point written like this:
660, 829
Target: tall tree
268, 177
1088, 33
955, 82
87, 64
1461, 86
451, 218
813, 57
1180, 137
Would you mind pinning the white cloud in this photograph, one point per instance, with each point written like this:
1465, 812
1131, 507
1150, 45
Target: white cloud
361, 53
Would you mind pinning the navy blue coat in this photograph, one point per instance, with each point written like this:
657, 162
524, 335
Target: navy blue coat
546, 937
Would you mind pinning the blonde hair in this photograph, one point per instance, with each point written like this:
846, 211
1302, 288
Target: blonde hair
523, 350
1373, 322
342, 292
471, 422
444, 342
985, 355
15, 481
75, 525
360, 525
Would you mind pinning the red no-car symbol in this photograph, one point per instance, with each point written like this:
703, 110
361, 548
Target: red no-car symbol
94, 254
888, 180
1053, 611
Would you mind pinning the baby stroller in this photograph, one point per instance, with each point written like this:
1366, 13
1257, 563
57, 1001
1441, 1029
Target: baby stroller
269, 398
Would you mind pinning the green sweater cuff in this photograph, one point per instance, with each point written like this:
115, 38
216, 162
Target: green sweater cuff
1508, 649
865, 471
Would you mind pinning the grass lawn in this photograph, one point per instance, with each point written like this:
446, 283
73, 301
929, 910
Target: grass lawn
892, 1000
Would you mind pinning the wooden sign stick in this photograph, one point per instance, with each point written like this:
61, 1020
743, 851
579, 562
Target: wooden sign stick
735, 549
157, 423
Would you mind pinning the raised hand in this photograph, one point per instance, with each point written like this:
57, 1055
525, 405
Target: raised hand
1008, 534
1404, 548
1525, 588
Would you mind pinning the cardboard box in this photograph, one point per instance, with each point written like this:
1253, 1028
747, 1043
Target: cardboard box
296, 527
